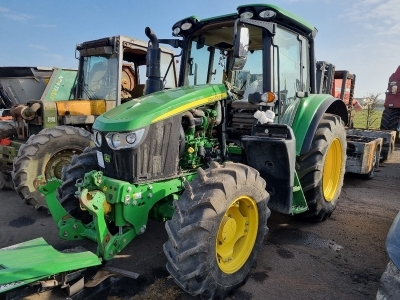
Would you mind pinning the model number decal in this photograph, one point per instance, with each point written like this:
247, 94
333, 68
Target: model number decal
54, 92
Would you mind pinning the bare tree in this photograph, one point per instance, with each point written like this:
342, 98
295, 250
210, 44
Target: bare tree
370, 104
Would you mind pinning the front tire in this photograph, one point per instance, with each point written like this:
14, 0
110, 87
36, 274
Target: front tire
217, 230
78, 167
322, 169
45, 154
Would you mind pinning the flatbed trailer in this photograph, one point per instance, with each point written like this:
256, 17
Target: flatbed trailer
388, 139
363, 154
365, 148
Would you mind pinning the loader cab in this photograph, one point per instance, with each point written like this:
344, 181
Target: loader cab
114, 69
278, 63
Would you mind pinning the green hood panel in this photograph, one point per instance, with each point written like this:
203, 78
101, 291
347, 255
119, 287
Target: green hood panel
155, 107
61, 85
35, 259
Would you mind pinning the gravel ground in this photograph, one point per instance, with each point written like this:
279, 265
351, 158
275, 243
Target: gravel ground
341, 258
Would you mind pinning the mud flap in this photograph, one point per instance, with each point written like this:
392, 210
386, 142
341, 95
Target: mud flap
35, 260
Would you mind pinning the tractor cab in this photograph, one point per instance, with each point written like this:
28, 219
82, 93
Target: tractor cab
103, 67
272, 68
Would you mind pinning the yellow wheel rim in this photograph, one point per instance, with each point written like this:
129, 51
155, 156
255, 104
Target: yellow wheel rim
332, 170
237, 234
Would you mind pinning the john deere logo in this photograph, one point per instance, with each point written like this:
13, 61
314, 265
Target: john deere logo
107, 158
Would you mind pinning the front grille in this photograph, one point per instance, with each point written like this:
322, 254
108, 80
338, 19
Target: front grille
155, 158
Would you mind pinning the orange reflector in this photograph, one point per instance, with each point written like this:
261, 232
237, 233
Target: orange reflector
270, 97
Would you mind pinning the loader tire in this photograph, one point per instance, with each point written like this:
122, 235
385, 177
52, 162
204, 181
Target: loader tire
7, 129
45, 154
78, 167
322, 169
217, 230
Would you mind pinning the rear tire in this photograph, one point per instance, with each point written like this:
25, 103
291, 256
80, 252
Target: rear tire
390, 119
322, 168
45, 154
217, 230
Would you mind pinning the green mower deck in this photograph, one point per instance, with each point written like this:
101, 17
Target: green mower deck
34, 260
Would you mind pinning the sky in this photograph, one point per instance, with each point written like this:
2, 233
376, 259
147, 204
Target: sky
361, 36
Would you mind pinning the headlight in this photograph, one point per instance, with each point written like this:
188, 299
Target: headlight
176, 31
121, 140
267, 14
115, 140
247, 15
131, 138
97, 138
186, 26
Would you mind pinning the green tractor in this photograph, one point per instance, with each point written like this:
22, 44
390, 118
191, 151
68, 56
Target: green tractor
244, 133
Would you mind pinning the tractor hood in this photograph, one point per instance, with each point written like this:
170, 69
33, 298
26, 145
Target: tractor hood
158, 106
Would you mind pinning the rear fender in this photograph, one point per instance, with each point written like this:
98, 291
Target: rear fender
305, 115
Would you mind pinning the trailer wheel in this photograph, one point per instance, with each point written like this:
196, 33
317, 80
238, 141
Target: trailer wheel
78, 167
375, 165
322, 169
217, 230
45, 154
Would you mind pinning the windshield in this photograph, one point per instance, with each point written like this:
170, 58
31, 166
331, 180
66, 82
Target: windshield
209, 59
167, 71
250, 79
99, 78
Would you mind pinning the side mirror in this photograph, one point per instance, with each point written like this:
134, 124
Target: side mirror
241, 48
